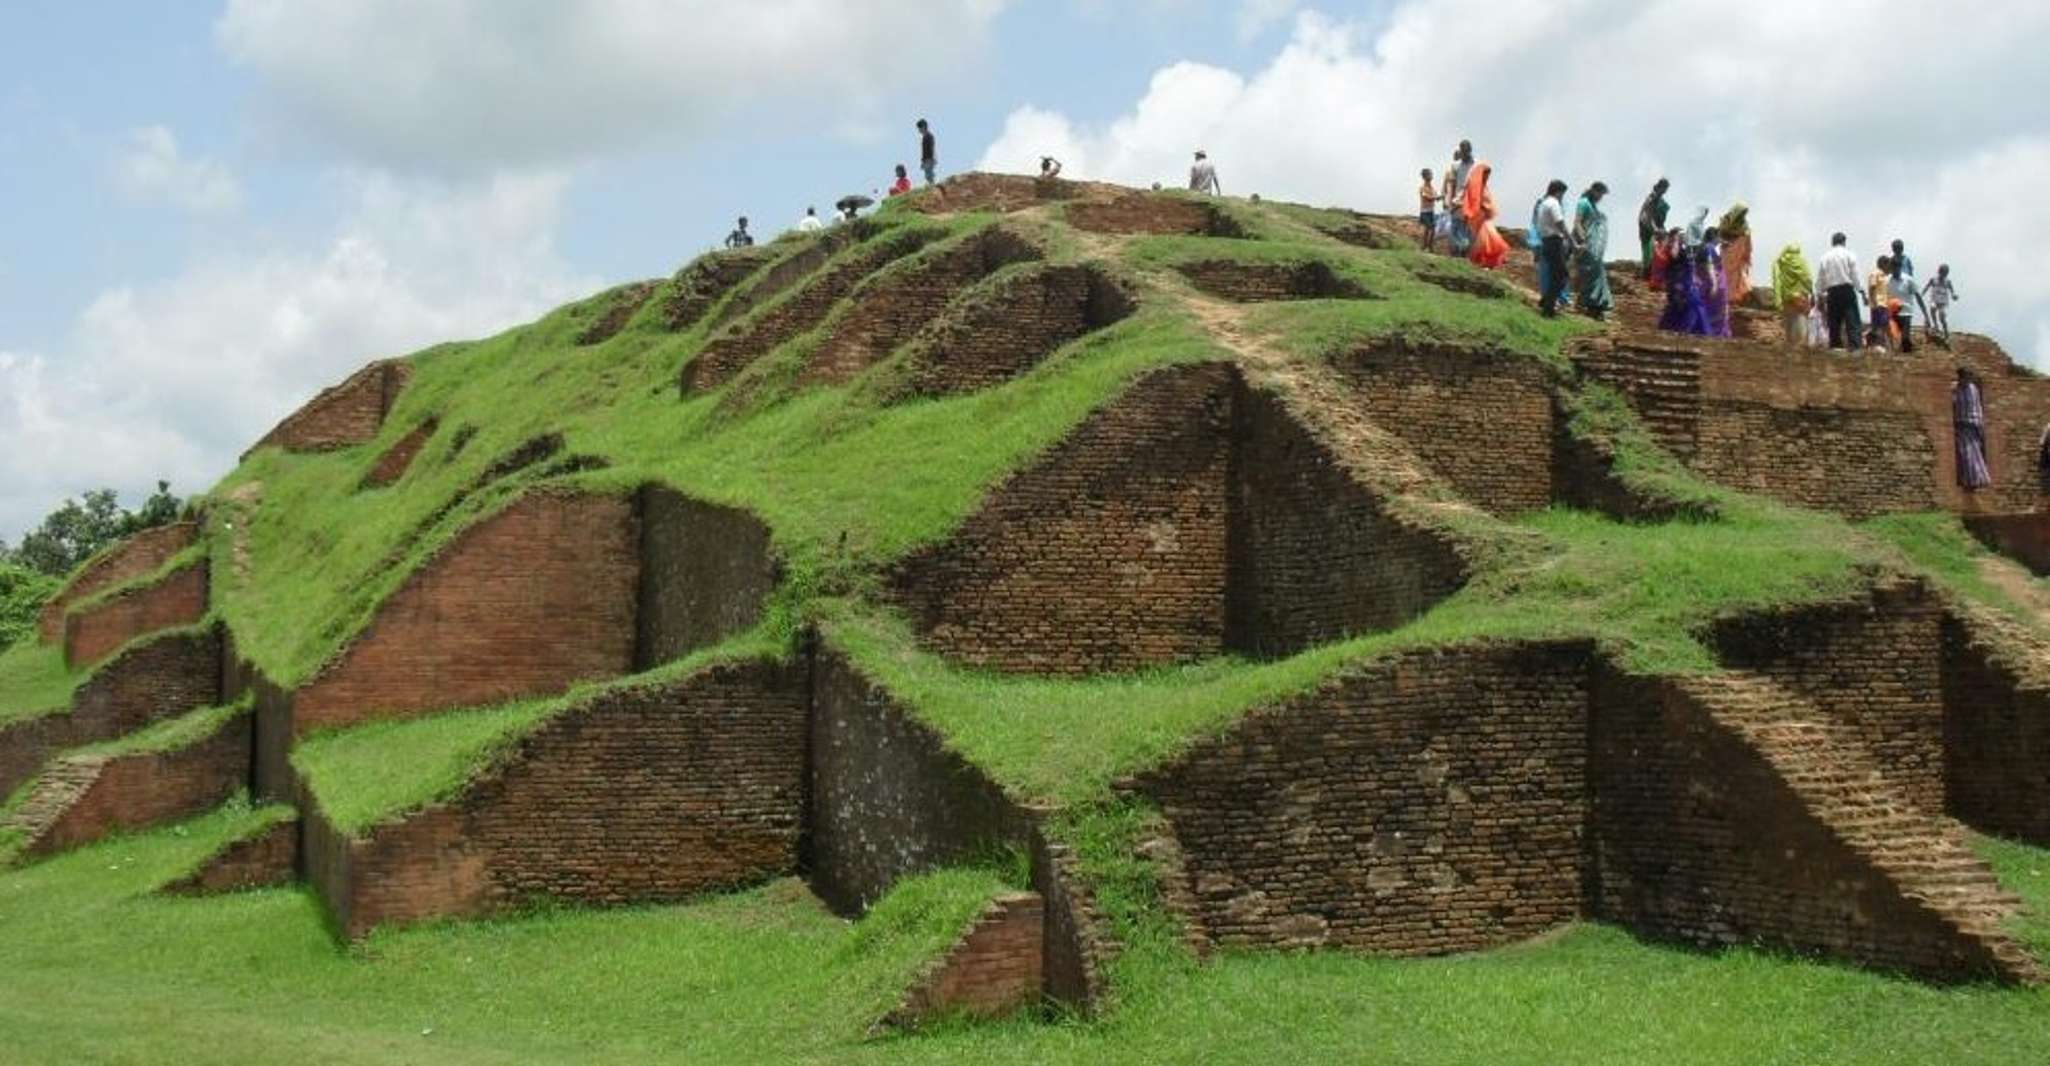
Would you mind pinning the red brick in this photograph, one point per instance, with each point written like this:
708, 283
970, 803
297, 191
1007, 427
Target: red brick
342, 415
92, 633
393, 464
146, 788
994, 969
140, 554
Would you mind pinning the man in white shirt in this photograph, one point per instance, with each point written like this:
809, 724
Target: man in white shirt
1203, 176
1836, 276
810, 222
1552, 237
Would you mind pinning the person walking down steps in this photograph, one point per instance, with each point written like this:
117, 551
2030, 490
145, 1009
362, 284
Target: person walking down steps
1203, 175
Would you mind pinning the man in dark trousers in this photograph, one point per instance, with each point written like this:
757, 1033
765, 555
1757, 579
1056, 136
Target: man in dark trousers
1837, 279
928, 153
1553, 233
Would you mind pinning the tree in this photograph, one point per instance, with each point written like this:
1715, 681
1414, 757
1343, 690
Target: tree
75, 532
22, 592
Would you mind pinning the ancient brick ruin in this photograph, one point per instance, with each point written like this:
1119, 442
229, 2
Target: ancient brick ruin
1810, 792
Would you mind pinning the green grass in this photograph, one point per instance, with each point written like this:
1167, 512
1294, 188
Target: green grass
93, 969
365, 775
171, 733
34, 681
1938, 545
2025, 871
175, 563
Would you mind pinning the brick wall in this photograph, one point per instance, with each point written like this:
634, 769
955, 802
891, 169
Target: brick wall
888, 800
1004, 331
147, 788
1314, 556
740, 344
706, 574
619, 305
994, 969
636, 795
1152, 213
178, 599
1858, 435
140, 554
1482, 420
345, 414
271, 775
891, 307
1079, 941
706, 279
1427, 804
1004, 193
148, 682
1264, 282
1701, 837
1996, 728
524, 603
779, 276
268, 857
1106, 554
1872, 662
2024, 538
393, 464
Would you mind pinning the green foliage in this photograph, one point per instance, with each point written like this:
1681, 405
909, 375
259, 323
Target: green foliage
78, 531
22, 594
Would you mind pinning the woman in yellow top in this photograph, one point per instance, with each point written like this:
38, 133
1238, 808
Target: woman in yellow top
1735, 229
1875, 293
1794, 286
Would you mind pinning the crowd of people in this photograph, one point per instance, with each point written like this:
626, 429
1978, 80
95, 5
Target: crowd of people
1703, 269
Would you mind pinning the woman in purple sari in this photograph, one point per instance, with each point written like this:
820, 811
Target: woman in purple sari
1968, 418
1686, 301
1715, 284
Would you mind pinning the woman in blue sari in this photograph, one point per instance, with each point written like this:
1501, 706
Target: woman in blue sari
1591, 249
1715, 284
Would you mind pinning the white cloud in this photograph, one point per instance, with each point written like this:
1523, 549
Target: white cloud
175, 378
153, 169
1624, 90
477, 84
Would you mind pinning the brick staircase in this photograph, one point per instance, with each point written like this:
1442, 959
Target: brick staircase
1925, 858
1664, 387
60, 786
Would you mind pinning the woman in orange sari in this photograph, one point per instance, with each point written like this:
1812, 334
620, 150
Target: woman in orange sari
1735, 228
1489, 249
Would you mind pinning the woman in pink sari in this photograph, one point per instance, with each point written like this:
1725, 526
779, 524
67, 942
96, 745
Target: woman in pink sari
1489, 249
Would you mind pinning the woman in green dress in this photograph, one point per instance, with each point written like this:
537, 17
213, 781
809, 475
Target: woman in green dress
1591, 249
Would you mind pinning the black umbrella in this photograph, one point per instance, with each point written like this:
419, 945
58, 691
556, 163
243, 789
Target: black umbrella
854, 202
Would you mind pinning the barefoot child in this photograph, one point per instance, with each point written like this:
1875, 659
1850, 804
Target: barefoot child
1427, 209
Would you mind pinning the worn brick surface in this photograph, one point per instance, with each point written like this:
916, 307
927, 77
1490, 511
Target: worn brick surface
524, 603
1859, 435
1106, 554
1314, 555
345, 414
890, 308
619, 305
706, 574
1008, 329
793, 267
149, 681
140, 554
179, 598
1266, 282
638, 795
1482, 420
707, 279
1730, 812
995, 968
1871, 662
2025, 538
1140, 212
1079, 940
269, 857
139, 790
1996, 697
1429, 804
800, 311
396, 460
888, 799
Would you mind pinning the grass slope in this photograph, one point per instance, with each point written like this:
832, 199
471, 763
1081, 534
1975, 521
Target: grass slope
93, 969
34, 681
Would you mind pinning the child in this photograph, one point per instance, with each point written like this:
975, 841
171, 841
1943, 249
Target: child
1427, 210
1939, 294
1881, 331
903, 183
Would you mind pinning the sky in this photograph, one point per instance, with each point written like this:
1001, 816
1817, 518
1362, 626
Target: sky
209, 209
